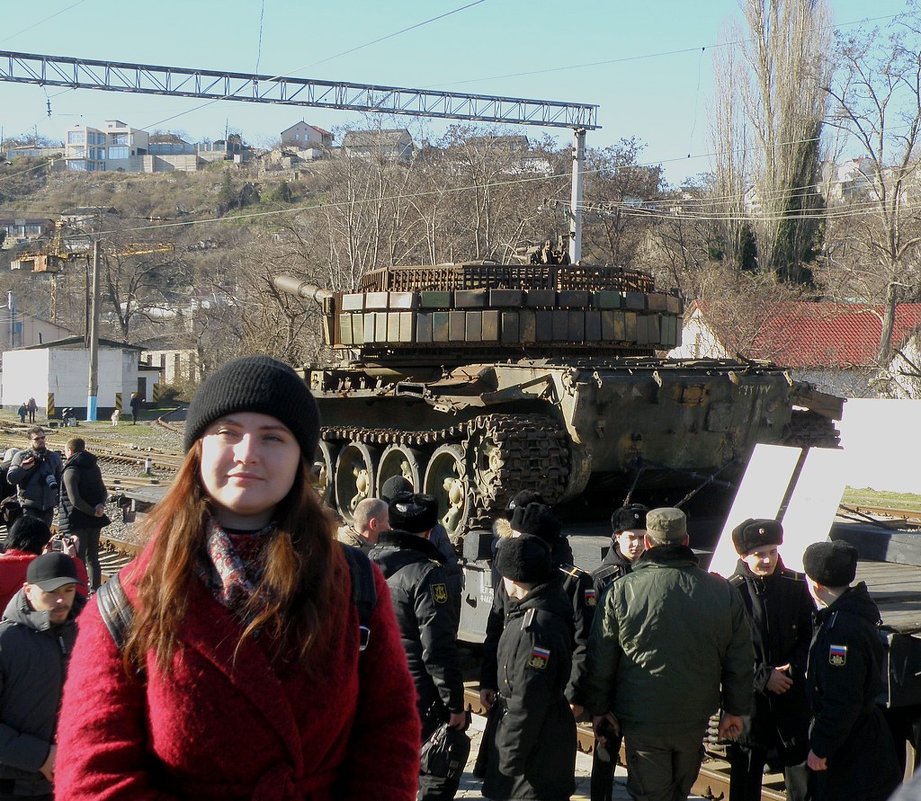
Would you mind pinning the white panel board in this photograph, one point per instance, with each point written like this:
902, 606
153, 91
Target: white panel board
760, 495
814, 503
877, 436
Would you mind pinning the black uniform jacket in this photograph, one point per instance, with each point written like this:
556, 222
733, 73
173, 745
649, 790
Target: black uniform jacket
419, 588
780, 611
533, 753
613, 566
82, 473
578, 587
844, 680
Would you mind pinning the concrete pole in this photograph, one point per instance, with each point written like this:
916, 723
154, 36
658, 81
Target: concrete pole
575, 208
93, 385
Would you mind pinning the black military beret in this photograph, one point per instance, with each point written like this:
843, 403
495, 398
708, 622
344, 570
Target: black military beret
631, 516
833, 564
413, 512
525, 558
756, 533
536, 519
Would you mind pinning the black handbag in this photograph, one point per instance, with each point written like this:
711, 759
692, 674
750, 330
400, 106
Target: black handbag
445, 753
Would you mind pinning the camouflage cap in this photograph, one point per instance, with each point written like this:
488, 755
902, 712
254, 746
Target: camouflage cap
666, 524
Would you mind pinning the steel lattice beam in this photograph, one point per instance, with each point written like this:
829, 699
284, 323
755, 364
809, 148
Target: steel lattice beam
111, 76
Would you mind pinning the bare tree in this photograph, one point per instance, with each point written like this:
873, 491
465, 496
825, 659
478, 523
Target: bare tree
876, 96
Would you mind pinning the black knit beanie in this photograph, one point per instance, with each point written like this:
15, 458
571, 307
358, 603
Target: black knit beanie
393, 486
256, 384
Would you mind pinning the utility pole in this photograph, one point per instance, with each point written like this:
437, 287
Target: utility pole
575, 208
93, 385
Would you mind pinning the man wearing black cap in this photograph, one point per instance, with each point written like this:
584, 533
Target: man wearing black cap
628, 534
531, 746
850, 746
780, 612
669, 647
421, 594
538, 520
36, 637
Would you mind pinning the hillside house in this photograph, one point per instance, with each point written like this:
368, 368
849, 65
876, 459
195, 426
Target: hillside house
304, 136
390, 145
832, 345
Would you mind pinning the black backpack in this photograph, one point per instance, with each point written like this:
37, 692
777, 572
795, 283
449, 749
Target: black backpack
117, 614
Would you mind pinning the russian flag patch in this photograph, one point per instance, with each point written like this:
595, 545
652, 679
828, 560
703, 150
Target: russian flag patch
837, 655
539, 658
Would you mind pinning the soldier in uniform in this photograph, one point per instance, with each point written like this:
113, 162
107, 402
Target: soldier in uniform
850, 746
628, 526
420, 590
532, 743
537, 519
780, 612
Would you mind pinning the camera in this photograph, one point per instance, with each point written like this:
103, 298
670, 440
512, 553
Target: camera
57, 544
51, 481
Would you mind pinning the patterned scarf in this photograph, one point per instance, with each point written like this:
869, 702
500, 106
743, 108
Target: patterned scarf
234, 566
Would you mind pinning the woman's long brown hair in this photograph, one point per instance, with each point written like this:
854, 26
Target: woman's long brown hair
304, 577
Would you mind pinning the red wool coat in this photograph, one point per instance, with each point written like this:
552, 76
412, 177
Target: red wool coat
214, 730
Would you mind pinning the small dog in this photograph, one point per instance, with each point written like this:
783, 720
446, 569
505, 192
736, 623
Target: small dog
116, 416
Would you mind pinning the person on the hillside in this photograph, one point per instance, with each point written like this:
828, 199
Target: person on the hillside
531, 747
22, 411
241, 675
628, 527
851, 752
780, 611
27, 539
670, 646
83, 505
31, 408
37, 636
36, 472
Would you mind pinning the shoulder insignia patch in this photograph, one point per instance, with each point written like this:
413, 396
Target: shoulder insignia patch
837, 655
591, 597
539, 658
440, 593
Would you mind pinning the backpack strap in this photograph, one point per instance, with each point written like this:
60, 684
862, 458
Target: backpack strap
364, 592
115, 610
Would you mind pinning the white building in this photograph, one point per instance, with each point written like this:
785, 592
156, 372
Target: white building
116, 147
56, 374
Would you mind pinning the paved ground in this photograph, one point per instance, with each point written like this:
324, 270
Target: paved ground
470, 787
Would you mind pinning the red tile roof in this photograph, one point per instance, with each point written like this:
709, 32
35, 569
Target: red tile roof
804, 334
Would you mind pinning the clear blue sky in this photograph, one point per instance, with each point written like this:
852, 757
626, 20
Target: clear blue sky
646, 64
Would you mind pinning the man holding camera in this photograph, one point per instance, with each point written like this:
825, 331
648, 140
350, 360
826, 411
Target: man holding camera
36, 472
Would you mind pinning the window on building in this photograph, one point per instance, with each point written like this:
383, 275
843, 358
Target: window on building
118, 139
76, 137
118, 152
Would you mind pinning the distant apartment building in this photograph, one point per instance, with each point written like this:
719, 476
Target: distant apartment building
116, 147
16, 230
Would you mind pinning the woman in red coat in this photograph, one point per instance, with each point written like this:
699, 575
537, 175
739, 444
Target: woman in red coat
241, 676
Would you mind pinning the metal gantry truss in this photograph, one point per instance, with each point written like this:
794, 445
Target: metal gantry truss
114, 76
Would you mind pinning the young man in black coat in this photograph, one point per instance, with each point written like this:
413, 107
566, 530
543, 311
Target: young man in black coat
851, 752
628, 527
537, 519
531, 743
780, 612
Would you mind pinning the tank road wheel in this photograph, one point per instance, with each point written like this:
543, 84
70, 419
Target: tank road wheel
446, 479
401, 460
323, 465
355, 471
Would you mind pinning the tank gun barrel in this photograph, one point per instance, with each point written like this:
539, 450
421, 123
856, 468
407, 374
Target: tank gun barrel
301, 289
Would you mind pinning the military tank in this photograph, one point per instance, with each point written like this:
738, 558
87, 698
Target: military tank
476, 380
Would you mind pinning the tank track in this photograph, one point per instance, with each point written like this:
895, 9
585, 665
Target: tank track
504, 453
